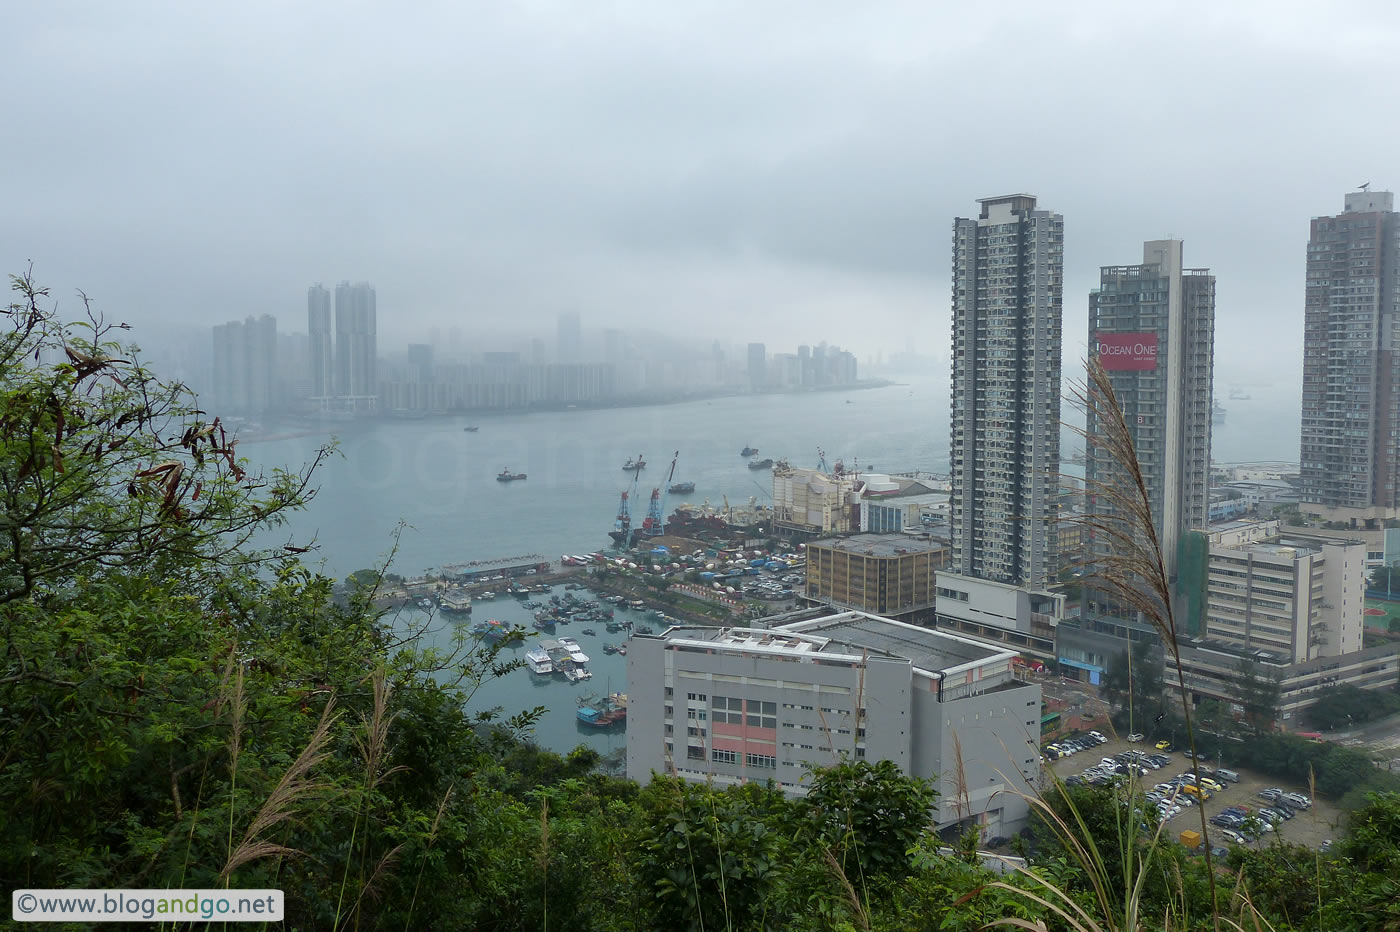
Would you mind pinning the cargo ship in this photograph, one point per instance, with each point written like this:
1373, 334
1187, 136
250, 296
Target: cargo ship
507, 476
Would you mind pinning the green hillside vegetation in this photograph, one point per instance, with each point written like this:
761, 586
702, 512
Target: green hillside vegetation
180, 710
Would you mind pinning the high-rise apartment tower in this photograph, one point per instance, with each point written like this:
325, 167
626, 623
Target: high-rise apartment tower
1005, 451
320, 342
355, 345
1350, 454
1152, 328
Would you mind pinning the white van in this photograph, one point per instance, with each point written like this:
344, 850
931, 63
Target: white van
1230, 775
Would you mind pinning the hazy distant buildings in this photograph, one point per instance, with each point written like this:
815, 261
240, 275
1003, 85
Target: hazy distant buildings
1152, 328
356, 349
244, 373
1005, 445
321, 345
758, 367
1350, 451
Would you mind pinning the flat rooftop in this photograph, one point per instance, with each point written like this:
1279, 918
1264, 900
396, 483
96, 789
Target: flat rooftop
880, 545
926, 648
853, 634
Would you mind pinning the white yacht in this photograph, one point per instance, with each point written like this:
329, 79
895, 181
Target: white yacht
538, 661
576, 653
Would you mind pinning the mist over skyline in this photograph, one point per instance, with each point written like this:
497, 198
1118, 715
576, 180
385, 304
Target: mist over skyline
786, 173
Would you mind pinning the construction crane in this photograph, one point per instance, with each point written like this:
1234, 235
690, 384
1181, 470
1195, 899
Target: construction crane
821, 459
655, 523
622, 527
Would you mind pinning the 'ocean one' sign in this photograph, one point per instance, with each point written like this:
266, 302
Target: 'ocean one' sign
1119, 352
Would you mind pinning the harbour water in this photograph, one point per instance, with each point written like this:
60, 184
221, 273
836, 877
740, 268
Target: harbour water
558, 728
440, 481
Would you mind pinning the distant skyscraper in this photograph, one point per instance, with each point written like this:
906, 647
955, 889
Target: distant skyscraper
569, 345
356, 344
1350, 457
1005, 450
244, 372
758, 366
321, 346
1152, 327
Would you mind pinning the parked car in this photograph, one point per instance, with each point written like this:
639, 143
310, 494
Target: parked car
1223, 774
1164, 745
1098, 737
1134, 737
1234, 836
1273, 794
1297, 800
1211, 785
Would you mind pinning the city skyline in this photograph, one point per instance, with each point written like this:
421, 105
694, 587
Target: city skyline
641, 172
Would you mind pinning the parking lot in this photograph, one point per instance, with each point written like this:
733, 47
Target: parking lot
1309, 827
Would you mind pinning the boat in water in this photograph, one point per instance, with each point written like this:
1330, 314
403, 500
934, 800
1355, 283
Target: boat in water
506, 475
633, 465
537, 659
749, 451
493, 629
761, 464
604, 711
589, 631
576, 653
471, 430
455, 602
680, 488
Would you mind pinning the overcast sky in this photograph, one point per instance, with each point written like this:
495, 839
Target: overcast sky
782, 171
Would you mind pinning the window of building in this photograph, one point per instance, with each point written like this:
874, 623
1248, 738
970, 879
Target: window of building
764, 761
695, 752
762, 714
724, 757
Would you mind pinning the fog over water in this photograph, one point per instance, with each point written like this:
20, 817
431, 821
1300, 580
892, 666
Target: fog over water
440, 479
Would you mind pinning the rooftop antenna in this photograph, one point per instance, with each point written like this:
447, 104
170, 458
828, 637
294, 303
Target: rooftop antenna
1365, 187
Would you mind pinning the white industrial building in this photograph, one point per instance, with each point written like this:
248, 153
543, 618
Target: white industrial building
732, 705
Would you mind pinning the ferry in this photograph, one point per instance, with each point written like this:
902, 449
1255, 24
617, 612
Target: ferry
537, 659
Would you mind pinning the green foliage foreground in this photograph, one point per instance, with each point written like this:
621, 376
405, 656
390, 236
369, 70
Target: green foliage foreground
179, 710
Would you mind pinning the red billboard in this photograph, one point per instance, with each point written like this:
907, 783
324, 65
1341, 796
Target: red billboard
1120, 352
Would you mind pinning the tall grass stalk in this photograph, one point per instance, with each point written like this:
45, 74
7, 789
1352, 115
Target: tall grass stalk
1125, 558
372, 746
295, 786
235, 745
